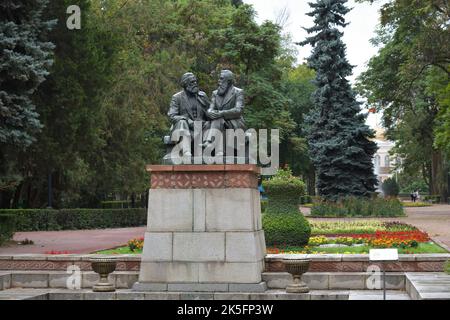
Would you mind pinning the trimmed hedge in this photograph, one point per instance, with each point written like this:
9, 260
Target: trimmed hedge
290, 229
283, 192
351, 207
7, 227
76, 219
432, 198
283, 223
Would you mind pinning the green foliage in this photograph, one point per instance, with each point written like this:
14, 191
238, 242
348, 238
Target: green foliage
447, 267
352, 206
408, 81
24, 62
286, 229
117, 204
282, 221
409, 183
75, 219
390, 187
298, 87
283, 191
432, 198
338, 137
305, 199
7, 227
264, 205
104, 105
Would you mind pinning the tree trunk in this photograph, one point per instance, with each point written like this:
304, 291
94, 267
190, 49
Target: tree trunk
5, 199
439, 174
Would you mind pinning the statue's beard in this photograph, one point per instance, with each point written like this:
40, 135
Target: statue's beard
192, 89
222, 89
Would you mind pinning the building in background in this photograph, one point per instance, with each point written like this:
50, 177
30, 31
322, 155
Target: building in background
384, 163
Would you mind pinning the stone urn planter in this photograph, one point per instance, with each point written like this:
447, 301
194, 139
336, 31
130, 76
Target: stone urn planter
297, 267
103, 266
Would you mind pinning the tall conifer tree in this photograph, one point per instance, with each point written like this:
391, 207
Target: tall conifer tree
338, 136
25, 57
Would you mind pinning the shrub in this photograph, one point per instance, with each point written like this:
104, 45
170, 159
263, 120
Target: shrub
376, 207
283, 222
432, 198
289, 229
284, 192
305, 199
263, 205
390, 187
7, 227
116, 204
75, 219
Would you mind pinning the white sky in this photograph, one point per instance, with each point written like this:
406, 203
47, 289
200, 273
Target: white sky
363, 20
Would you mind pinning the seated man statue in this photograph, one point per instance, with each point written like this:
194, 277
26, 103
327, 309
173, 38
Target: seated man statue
226, 108
187, 106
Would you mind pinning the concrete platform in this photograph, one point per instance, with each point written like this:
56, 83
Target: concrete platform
428, 286
126, 294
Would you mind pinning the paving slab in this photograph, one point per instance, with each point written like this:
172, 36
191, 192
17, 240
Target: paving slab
378, 295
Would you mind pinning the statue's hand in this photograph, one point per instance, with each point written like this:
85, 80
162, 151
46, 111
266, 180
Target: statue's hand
214, 115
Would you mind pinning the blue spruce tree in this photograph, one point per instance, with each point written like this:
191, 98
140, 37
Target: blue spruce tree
338, 136
25, 57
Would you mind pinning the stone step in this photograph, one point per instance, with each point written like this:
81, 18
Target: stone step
61, 294
378, 295
433, 286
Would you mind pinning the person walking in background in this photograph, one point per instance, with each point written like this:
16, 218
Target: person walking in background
417, 195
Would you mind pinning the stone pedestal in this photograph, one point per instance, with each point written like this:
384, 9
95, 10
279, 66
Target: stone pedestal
204, 230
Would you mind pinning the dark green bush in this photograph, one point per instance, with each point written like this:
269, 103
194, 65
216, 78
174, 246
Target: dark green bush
432, 198
305, 199
291, 229
362, 207
116, 204
283, 222
263, 205
283, 192
7, 227
390, 187
75, 219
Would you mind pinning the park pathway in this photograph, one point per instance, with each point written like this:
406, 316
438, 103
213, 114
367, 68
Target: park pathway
76, 241
435, 220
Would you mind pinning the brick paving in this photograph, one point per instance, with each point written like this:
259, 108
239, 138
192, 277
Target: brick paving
76, 241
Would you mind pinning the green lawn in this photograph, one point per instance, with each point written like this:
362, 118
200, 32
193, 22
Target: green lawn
121, 250
416, 204
422, 248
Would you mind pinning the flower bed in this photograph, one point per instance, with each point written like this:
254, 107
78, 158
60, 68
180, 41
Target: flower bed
136, 244
379, 239
356, 227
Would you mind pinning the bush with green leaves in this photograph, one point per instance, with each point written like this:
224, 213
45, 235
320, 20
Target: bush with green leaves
363, 207
289, 229
283, 222
390, 187
75, 219
7, 227
283, 191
